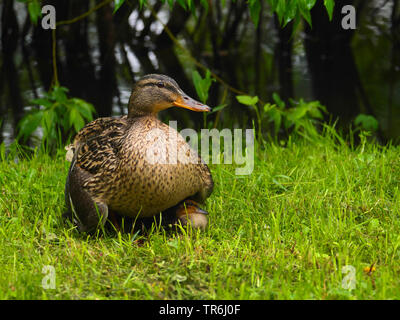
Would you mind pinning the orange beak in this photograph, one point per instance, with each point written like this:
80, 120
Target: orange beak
191, 104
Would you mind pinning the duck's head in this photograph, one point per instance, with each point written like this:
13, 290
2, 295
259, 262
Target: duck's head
156, 92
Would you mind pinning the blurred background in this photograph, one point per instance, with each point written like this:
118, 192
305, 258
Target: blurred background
99, 56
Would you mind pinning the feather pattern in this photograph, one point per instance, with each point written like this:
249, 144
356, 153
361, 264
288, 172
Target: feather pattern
135, 164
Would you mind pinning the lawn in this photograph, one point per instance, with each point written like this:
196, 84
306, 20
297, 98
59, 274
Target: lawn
315, 220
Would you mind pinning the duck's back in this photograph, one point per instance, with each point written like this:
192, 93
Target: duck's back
99, 128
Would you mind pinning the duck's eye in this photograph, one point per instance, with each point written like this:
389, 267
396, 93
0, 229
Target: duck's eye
160, 84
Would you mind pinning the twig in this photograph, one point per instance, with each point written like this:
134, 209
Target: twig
54, 47
219, 112
65, 22
84, 15
194, 60
169, 33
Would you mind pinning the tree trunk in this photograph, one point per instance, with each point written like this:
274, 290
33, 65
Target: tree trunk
78, 74
393, 122
331, 62
42, 49
9, 42
170, 65
283, 53
107, 82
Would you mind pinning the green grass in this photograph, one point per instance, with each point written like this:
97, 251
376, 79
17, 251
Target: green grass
283, 232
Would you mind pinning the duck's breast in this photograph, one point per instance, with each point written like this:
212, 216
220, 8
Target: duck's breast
159, 169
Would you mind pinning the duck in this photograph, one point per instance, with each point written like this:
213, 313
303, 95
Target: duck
135, 165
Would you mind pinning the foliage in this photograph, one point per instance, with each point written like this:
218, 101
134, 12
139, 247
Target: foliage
302, 117
34, 9
366, 122
202, 85
252, 102
118, 4
286, 10
329, 5
59, 117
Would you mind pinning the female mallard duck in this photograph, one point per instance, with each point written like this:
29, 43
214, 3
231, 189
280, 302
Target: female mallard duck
137, 166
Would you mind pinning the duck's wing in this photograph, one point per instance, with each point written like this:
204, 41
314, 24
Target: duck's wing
98, 128
99, 152
94, 160
97, 159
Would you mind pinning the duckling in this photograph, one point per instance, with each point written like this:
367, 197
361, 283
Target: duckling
137, 166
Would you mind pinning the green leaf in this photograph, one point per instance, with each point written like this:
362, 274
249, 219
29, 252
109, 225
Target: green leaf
48, 122
280, 10
191, 7
76, 120
85, 109
48, 119
297, 113
117, 5
182, 3
204, 3
2, 151
197, 81
305, 7
171, 3
255, 9
247, 100
307, 16
142, 3
329, 5
59, 115
58, 94
45, 102
314, 109
276, 117
309, 3
29, 123
201, 85
367, 122
290, 12
268, 107
217, 108
273, 4
315, 113
281, 104
34, 11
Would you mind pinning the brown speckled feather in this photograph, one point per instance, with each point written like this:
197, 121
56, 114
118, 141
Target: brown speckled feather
106, 127
122, 176
136, 165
